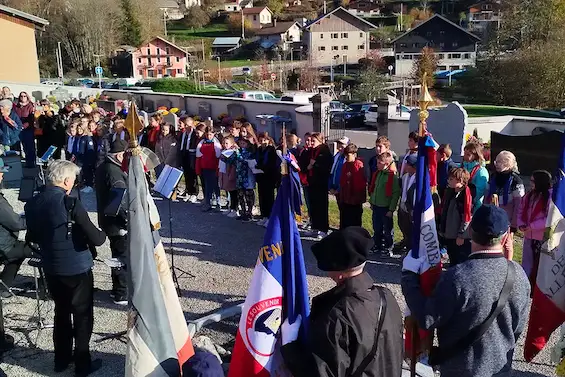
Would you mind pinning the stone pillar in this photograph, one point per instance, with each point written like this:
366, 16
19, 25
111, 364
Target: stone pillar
317, 117
382, 117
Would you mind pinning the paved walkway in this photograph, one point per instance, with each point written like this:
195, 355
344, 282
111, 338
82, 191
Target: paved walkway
219, 252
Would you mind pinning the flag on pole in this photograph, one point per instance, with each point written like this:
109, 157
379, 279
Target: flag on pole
158, 342
548, 305
425, 239
278, 291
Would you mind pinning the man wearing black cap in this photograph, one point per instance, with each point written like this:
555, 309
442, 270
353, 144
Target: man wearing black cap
110, 176
478, 307
355, 328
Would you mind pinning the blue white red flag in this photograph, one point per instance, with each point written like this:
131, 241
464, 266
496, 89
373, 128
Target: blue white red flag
425, 240
278, 291
548, 304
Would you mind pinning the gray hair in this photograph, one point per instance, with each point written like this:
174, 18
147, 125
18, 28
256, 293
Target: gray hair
59, 170
6, 103
506, 161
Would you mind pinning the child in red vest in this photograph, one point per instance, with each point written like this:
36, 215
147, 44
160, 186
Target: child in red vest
353, 189
208, 154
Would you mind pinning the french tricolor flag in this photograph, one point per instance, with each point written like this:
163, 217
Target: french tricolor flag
278, 291
548, 305
425, 240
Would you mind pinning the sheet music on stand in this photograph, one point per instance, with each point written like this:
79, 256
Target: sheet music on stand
48, 154
168, 181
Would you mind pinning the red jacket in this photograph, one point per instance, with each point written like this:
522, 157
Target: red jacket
208, 155
352, 183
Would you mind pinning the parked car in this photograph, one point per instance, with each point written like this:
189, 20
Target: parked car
353, 116
371, 115
298, 97
256, 95
246, 71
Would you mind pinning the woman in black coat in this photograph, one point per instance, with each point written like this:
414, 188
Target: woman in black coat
318, 171
269, 163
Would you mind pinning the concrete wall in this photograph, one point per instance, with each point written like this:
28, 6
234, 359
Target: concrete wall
19, 58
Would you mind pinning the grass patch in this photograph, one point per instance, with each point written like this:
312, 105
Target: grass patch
207, 32
474, 111
233, 63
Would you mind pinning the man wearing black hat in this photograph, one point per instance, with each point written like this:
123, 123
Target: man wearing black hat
111, 182
355, 328
478, 307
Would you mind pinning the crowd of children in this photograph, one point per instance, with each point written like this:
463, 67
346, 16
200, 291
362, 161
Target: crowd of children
241, 164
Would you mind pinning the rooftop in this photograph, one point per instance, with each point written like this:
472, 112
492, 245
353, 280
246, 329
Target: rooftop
38, 21
226, 41
281, 27
255, 10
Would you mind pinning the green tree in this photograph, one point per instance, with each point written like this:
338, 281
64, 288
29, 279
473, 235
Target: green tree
371, 85
131, 25
276, 6
426, 63
196, 17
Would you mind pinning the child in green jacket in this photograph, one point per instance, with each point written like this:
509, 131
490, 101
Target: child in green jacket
385, 193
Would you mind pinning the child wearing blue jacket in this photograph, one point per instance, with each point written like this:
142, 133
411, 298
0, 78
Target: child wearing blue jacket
86, 158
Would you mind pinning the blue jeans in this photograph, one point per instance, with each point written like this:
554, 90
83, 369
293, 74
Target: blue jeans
383, 228
210, 185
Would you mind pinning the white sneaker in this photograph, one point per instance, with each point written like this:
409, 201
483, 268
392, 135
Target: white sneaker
255, 211
321, 235
213, 202
87, 190
193, 199
232, 214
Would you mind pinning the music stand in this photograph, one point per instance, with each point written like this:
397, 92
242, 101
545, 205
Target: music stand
44, 160
165, 186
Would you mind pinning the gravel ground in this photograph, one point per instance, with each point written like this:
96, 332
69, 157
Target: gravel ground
219, 254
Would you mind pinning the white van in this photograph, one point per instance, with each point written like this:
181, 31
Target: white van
298, 97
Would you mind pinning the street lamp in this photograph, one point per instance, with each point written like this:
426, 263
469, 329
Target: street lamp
332, 67
219, 70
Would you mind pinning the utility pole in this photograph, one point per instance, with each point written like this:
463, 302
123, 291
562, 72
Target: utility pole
345, 65
165, 21
59, 62
203, 60
332, 70
219, 70
280, 73
325, 7
242, 26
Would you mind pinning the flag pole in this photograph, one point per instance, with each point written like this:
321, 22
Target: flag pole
284, 165
425, 101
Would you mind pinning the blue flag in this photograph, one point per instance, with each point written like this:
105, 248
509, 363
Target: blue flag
278, 291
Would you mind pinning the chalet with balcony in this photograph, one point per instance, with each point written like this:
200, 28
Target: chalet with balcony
155, 59
366, 8
484, 17
337, 37
282, 34
454, 46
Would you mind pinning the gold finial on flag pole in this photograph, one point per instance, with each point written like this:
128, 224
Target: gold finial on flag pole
425, 101
284, 164
133, 125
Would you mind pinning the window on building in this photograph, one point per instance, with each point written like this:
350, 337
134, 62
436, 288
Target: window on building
441, 44
429, 34
361, 35
149, 62
335, 48
321, 48
403, 45
442, 32
344, 35
168, 60
467, 56
441, 68
150, 73
407, 57
361, 47
254, 17
158, 51
148, 51
158, 59
321, 36
179, 71
415, 45
178, 59
455, 44
335, 35
141, 72
455, 56
344, 47
139, 60
441, 56
168, 51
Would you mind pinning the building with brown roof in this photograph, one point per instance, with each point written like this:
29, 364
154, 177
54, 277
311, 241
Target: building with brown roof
258, 17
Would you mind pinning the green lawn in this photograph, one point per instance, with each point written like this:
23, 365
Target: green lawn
207, 32
474, 111
232, 63
368, 224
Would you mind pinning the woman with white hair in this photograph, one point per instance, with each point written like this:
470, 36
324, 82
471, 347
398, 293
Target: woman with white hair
10, 125
507, 189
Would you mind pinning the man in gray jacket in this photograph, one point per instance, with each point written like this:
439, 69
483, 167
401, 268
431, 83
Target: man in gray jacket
465, 297
12, 250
